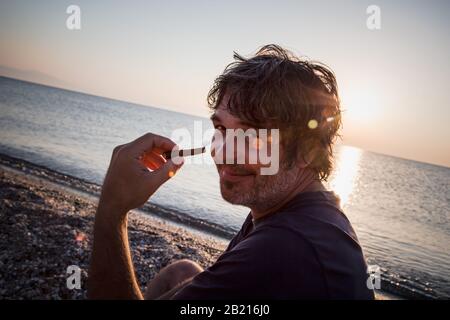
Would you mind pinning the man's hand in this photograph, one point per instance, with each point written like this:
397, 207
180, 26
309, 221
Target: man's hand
129, 182
136, 171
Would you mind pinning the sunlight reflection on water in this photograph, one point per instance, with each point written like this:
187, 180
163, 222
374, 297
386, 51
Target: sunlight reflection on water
398, 208
346, 172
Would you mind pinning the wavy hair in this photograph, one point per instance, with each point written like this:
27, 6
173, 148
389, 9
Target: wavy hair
275, 89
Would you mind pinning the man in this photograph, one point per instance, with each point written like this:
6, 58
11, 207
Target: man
296, 242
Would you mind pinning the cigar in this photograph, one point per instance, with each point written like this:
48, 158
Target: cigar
184, 152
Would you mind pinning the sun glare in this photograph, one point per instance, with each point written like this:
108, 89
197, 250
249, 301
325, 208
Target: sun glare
360, 105
345, 175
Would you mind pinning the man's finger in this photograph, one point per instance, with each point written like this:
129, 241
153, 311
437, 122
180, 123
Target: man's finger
149, 141
164, 173
152, 160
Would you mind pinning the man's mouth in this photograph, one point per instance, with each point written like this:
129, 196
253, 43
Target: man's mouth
234, 175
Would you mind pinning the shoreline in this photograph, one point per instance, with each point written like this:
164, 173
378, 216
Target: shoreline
46, 225
44, 229
86, 188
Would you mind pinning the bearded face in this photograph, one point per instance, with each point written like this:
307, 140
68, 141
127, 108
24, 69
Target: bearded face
244, 184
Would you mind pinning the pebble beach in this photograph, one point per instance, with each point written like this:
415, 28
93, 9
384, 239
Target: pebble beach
46, 225
46, 221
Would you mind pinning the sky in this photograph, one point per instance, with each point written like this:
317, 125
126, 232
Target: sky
393, 81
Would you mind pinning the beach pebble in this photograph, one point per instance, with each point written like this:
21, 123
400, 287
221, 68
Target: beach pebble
43, 231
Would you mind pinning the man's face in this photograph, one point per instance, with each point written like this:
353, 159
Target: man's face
244, 184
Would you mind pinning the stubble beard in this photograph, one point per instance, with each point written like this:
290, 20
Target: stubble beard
264, 192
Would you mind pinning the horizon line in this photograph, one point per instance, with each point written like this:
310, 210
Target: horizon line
205, 117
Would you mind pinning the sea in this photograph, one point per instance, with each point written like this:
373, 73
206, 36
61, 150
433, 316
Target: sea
399, 208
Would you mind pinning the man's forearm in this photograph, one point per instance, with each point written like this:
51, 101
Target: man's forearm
128, 184
111, 272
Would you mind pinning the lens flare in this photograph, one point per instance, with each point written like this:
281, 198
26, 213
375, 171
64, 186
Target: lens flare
312, 124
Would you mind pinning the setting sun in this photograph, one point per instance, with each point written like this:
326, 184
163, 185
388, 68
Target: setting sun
360, 104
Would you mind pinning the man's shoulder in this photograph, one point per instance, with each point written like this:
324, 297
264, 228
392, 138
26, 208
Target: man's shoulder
311, 220
314, 214
321, 249
277, 238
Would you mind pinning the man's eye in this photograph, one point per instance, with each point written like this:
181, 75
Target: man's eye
219, 127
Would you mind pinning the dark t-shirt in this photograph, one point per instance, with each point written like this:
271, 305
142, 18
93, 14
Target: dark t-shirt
306, 250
